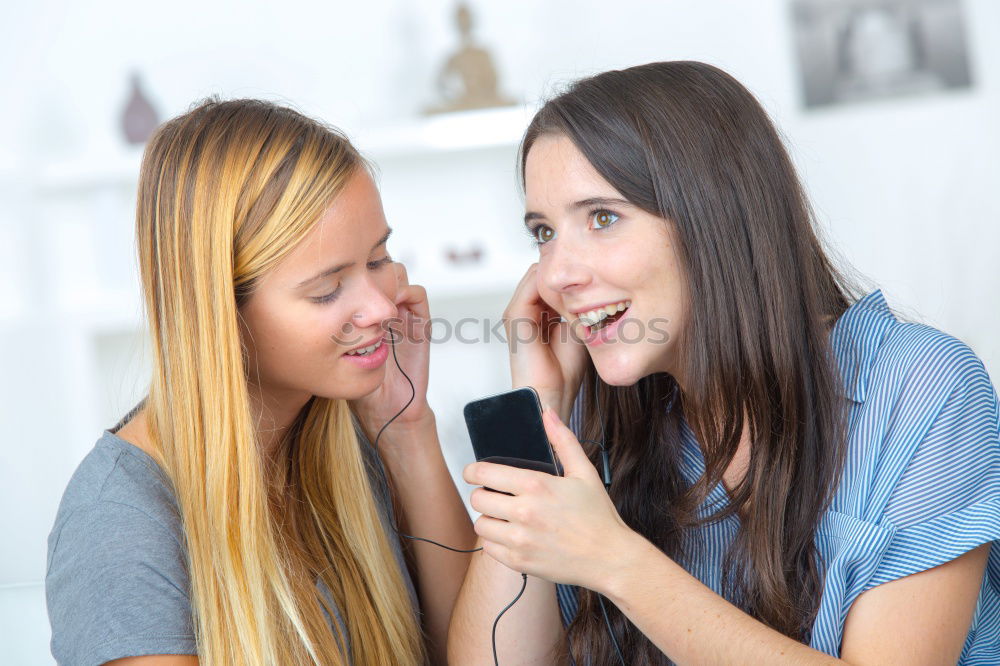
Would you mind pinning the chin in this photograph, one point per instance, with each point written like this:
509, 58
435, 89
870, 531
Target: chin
620, 372
352, 390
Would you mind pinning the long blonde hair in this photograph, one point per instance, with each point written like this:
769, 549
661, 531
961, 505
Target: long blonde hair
225, 192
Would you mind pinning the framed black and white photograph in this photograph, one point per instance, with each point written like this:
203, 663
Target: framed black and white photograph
859, 50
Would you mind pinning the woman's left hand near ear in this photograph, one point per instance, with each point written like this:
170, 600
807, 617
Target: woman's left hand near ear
563, 529
411, 330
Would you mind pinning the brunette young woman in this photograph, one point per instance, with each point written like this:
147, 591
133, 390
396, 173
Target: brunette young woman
798, 476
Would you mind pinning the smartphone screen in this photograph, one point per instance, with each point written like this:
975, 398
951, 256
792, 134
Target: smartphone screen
507, 429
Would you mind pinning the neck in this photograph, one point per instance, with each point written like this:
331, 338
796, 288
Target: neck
275, 413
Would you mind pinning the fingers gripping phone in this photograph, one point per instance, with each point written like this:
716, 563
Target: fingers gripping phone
507, 429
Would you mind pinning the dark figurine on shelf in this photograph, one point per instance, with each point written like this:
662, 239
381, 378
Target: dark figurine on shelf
468, 80
139, 119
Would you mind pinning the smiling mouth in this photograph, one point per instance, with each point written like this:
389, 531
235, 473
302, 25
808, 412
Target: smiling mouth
365, 351
598, 318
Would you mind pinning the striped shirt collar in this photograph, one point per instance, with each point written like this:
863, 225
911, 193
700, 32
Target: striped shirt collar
856, 338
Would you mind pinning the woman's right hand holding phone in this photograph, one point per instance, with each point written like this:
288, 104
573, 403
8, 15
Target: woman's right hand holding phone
545, 353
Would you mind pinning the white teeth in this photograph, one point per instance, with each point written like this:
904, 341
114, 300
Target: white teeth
365, 350
592, 317
600, 314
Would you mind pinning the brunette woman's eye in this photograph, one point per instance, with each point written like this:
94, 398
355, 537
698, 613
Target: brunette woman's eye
379, 263
603, 218
327, 298
542, 234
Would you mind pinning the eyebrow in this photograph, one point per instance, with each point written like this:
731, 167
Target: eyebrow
582, 203
339, 267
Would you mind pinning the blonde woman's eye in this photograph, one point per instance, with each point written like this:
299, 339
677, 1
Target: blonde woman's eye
603, 219
328, 298
543, 233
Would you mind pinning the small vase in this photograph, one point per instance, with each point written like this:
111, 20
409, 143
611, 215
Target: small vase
139, 119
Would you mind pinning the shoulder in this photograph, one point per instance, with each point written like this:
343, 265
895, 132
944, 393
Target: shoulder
117, 583
919, 357
927, 386
927, 411
926, 438
118, 485
883, 359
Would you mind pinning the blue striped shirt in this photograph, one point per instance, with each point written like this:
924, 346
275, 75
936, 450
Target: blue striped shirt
921, 481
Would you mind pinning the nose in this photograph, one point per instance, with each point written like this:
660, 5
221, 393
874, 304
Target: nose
566, 267
376, 304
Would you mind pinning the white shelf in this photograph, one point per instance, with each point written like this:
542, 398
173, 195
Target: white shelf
12, 174
103, 170
431, 135
104, 312
447, 133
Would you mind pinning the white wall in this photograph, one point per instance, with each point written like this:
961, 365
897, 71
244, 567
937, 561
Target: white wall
906, 189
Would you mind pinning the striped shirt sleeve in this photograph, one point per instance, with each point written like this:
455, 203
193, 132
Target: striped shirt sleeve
939, 477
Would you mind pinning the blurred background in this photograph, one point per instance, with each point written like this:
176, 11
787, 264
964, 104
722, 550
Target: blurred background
889, 108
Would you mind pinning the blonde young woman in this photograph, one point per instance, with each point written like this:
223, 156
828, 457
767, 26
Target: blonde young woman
237, 515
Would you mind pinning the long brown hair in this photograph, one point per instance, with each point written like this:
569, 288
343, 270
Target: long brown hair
687, 142
226, 191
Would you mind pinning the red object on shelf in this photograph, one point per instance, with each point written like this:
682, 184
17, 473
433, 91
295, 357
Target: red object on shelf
473, 255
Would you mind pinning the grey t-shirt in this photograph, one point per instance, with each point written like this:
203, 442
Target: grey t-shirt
116, 583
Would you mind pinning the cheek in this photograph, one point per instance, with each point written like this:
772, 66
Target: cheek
624, 268
299, 328
645, 269
627, 272
332, 325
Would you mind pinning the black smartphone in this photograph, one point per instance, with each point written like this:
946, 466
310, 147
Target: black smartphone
507, 429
